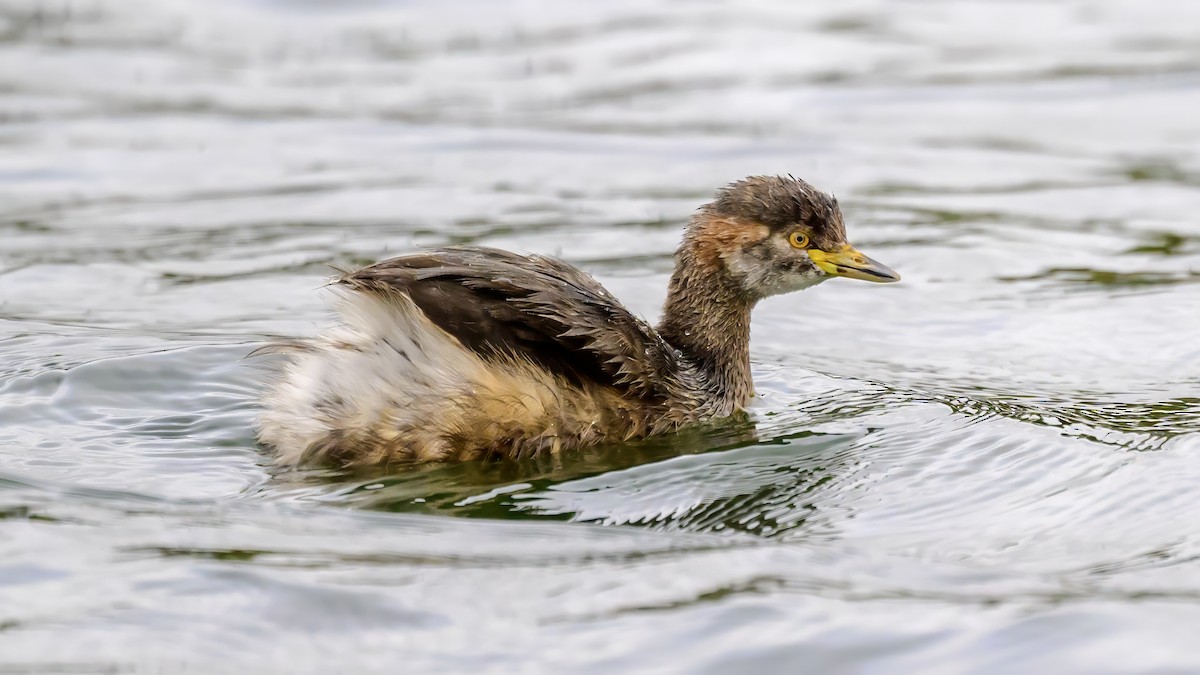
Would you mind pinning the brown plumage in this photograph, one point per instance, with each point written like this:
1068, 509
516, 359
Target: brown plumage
469, 352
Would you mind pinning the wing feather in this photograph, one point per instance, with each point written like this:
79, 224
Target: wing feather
501, 304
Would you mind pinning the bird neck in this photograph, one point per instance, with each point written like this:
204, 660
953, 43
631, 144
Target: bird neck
707, 317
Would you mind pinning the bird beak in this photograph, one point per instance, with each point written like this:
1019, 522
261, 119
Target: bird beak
848, 262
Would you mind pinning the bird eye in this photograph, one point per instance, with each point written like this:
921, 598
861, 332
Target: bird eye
798, 239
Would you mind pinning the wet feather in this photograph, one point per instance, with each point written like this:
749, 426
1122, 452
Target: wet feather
469, 352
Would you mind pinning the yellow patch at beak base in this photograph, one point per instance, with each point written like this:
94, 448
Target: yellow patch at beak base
848, 262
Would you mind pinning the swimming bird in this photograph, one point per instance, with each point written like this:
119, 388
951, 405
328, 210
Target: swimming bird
466, 352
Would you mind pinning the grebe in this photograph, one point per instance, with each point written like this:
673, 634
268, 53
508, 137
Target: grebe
467, 352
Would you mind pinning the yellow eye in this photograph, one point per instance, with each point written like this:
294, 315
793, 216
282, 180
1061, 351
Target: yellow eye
798, 240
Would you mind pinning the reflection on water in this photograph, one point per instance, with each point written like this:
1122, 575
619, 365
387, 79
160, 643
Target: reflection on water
997, 473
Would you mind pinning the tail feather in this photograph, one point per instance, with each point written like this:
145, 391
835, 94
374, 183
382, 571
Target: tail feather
389, 386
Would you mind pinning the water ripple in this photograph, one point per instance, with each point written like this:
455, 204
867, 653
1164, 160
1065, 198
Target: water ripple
991, 464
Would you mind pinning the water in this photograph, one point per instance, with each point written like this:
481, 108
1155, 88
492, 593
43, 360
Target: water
990, 467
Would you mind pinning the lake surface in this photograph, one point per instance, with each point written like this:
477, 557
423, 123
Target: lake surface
991, 467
